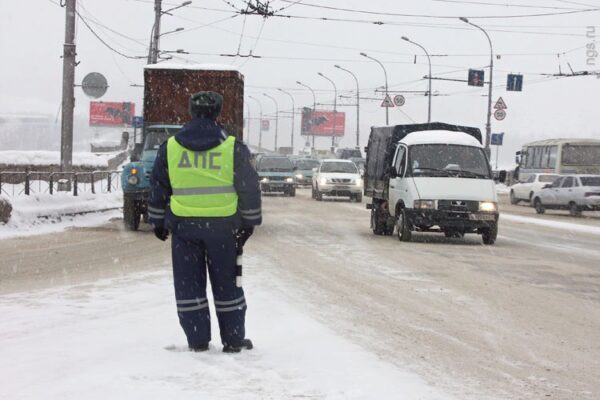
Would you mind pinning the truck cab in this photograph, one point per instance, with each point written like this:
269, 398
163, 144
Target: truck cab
436, 180
135, 178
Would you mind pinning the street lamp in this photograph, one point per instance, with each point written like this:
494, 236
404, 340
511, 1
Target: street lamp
334, 109
429, 60
357, 105
155, 32
314, 105
276, 117
259, 122
488, 126
173, 31
293, 113
387, 109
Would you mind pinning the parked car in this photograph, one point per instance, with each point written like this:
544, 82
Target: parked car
276, 174
575, 193
336, 177
525, 190
304, 170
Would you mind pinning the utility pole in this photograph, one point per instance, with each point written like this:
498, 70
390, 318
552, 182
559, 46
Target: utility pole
293, 113
68, 88
153, 59
249, 119
334, 109
429, 61
357, 105
314, 106
387, 109
259, 122
276, 117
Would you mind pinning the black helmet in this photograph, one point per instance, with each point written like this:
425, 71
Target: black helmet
206, 104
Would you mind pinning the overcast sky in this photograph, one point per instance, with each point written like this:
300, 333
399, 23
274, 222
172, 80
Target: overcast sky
32, 33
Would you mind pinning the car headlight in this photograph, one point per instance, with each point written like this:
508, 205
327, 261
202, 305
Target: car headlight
133, 180
323, 181
488, 206
425, 204
359, 182
289, 180
299, 176
264, 180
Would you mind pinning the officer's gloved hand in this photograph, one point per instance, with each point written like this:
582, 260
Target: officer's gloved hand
244, 234
161, 232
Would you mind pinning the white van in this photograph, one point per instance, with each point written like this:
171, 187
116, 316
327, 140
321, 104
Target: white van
430, 178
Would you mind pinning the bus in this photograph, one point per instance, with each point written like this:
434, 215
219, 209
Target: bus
558, 156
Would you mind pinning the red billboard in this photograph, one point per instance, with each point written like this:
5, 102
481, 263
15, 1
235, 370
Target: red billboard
323, 123
111, 113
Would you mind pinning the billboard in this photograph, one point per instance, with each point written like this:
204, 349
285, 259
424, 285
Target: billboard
323, 123
111, 113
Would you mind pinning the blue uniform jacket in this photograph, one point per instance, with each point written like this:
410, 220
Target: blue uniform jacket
202, 134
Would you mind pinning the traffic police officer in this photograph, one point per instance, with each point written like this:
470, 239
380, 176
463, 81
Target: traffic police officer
206, 193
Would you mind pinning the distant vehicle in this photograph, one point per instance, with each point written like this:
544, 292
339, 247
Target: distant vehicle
558, 157
525, 190
276, 174
348, 153
575, 193
166, 94
360, 164
304, 170
423, 176
337, 178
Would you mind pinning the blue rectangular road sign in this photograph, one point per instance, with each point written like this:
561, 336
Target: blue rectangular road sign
138, 121
497, 139
514, 83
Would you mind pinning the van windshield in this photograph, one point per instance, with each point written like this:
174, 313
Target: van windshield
442, 160
275, 164
156, 136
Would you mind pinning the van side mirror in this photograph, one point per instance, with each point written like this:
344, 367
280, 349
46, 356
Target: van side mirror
136, 153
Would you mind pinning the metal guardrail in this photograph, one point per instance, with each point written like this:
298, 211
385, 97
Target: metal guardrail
25, 183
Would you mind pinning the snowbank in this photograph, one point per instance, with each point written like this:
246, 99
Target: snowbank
501, 188
111, 340
44, 213
40, 157
568, 226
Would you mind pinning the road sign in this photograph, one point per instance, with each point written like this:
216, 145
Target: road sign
94, 85
514, 83
500, 114
476, 77
387, 102
497, 139
138, 121
500, 104
265, 124
399, 100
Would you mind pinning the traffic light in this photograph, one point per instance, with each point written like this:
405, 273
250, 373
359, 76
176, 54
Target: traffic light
514, 83
476, 77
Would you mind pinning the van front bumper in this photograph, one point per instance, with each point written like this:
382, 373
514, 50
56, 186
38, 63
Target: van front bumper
464, 220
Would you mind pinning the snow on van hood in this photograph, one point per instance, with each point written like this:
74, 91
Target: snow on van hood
455, 189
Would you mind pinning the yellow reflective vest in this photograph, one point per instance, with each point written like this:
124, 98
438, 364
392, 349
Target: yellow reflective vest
202, 181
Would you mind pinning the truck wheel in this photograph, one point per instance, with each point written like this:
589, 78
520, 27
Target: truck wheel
131, 214
574, 209
403, 227
513, 199
292, 192
489, 235
537, 204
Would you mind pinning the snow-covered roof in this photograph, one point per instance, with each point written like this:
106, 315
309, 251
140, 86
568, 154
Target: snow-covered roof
440, 137
195, 67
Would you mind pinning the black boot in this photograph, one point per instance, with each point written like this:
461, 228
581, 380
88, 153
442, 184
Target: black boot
246, 344
199, 348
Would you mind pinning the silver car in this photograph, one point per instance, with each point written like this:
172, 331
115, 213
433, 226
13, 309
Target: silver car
575, 193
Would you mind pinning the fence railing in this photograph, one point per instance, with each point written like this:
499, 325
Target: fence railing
27, 183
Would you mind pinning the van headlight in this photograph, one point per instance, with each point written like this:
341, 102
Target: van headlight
425, 204
264, 180
323, 181
299, 176
488, 206
133, 180
289, 180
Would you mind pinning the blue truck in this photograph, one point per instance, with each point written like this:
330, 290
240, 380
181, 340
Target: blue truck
166, 92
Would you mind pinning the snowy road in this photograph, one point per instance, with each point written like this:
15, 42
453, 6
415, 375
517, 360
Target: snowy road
335, 311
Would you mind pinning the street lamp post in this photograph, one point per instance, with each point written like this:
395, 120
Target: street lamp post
387, 109
334, 109
488, 126
249, 119
276, 117
293, 113
357, 105
314, 105
259, 122
155, 33
429, 90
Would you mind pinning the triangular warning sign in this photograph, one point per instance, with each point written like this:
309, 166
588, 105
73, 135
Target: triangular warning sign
500, 104
387, 102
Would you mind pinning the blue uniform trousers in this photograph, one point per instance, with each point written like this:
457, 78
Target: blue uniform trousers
193, 254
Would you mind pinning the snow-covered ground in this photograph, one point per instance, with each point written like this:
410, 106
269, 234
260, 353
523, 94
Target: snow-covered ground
567, 226
109, 340
45, 213
39, 157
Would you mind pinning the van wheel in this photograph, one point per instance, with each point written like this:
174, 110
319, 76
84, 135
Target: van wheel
403, 227
537, 204
574, 209
131, 214
489, 235
513, 199
318, 195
